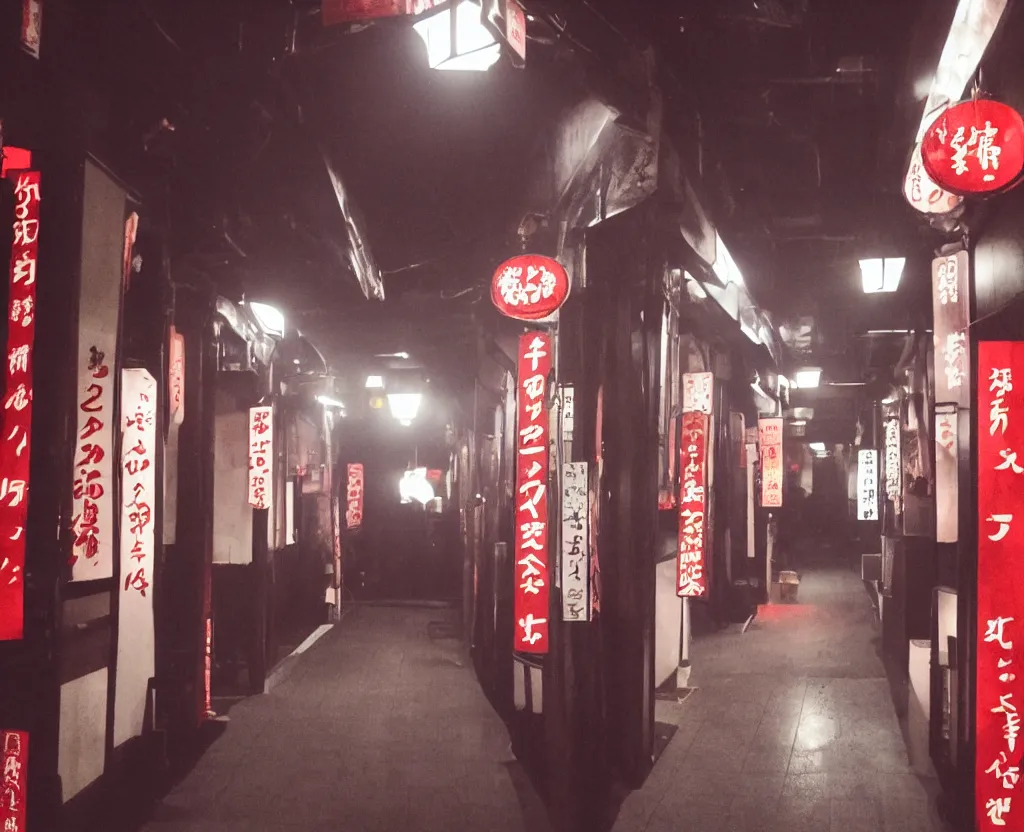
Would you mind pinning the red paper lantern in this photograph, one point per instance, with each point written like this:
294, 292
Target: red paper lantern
975, 147
529, 287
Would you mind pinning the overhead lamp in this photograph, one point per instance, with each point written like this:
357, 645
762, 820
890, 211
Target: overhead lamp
404, 356
375, 382
456, 38
327, 401
268, 318
881, 274
405, 406
807, 379
799, 423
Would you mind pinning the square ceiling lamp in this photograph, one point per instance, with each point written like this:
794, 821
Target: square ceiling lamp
457, 39
807, 379
882, 274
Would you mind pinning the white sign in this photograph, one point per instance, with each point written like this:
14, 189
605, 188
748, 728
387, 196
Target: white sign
568, 413
867, 484
575, 542
893, 464
515, 27
135, 639
772, 474
947, 486
261, 457
697, 392
921, 191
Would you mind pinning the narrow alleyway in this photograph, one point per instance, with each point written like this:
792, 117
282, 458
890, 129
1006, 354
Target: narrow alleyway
381, 726
792, 727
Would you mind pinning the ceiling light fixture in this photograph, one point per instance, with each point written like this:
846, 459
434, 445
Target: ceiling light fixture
456, 38
808, 378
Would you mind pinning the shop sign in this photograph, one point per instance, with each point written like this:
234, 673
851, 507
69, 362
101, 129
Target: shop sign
1000, 624
529, 287
947, 485
867, 484
354, 496
14, 791
515, 27
697, 392
568, 413
922, 193
532, 590
176, 377
893, 465
769, 434
353, 11
691, 580
951, 308
135, 641
575, 542
16, 435
975, 147
31, 26
261, 457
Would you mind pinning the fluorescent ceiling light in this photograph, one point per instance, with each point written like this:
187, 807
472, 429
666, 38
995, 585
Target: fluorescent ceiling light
882, 274
893, 272
473, 48
817, 447
799, 423
724, 266
375, 382
327, 401
405, 406
805, 379
268, 318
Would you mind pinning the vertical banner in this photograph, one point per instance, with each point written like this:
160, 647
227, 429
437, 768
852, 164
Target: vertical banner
867, 484
1000, 625
354, 496
769, 432
135, 638
894, 464
31, 26
14, 782
691, 577
947, 485
698, 390
568, 412
951, 307
16, 434
261, 457
176, 416
575, 542
532, 590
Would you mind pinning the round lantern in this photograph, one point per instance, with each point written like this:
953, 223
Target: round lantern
529, 287
975, 147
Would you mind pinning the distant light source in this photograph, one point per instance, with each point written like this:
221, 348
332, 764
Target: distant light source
882, 274
724, 266
467, 45
405, 406
268, 318
375, 382
414, 486
694, 288
807, 379
327, 401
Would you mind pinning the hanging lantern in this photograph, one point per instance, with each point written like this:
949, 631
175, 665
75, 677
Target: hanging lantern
529, 287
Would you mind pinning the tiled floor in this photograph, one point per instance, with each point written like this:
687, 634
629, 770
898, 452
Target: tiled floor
378, 728
792, 728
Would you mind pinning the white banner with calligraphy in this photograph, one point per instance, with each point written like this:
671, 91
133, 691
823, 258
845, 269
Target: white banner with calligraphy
947, 485
261, 457
894, 464
772, 469
92, 555
951, 314
867, 484
575, 542
135, 635
698, 389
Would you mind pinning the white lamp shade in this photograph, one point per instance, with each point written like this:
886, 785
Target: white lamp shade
474, 49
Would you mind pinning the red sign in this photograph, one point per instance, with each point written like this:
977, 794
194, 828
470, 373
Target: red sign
354, 497
1000, 625
692, 581
353, 11
532, 573
16, 435
770, 440
14, 785
261, 457
515, 27
975, 147
529, 287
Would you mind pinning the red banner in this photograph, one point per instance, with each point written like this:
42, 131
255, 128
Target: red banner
532, 573
16, 435
354, 496
353, 11
692, 581
14, 782
1000, 679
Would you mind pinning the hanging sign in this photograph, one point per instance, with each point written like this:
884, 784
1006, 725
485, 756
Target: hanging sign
922, 193
135, 640
529, 287
575, 542
176, 377
975, 147
867, 484
532, 590
951, 308
16, 419
353, 11
690, 573
14, 781
769, 434
893, 465
697, 392
1000, 624
31, 26
568, 413
261, 457
515, 27
947, 484
354, 496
